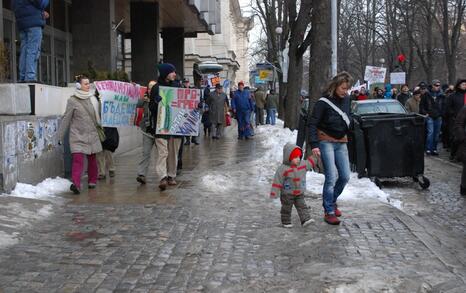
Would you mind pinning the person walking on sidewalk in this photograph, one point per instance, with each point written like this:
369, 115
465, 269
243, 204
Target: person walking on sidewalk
289, 183
260, 98
188, 139
271, 105
147, 126
30, 19
329, 127
460, 140
242, 107
105, 157
431, 107
167, 145
82, 119
412, 103
217, 110
455, 102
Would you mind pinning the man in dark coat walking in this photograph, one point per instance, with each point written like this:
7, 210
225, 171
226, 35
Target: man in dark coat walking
217, 110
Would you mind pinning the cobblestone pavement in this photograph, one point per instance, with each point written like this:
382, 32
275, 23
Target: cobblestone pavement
123, 237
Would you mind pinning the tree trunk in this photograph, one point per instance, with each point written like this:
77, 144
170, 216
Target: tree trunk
293, 89
451, 67
321, 50
321, 54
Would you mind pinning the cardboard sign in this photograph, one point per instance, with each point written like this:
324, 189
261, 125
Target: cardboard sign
119, 101
398, 78
375, 74
178, 112
215, 80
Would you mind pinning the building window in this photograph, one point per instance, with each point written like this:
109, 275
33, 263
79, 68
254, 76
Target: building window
7, 4
45, 61
59, 14
60, 62
120, 50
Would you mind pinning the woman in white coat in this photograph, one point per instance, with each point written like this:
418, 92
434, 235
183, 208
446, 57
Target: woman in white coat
82, 118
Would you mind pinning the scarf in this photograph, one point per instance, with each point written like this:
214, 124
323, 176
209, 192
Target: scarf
95, 103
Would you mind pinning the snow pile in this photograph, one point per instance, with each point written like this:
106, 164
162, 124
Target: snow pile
47, 188
273, 138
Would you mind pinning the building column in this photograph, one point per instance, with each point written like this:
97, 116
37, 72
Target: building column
173, 48
94, 40
144, 41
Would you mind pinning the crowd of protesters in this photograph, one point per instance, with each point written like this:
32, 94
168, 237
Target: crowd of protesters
89, 140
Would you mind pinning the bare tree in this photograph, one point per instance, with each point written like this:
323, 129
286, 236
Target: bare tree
449, 19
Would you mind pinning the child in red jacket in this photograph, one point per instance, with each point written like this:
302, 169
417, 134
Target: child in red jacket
290, 183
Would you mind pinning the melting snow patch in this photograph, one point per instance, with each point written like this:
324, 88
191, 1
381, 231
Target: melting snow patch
47, 188
8, 239
217, 182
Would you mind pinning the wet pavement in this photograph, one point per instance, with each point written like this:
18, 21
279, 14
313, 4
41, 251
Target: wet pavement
217, 231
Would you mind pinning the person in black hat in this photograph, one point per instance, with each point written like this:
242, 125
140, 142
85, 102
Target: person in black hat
167, 145
217, 110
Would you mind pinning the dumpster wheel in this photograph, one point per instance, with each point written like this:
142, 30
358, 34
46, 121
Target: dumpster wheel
424, 182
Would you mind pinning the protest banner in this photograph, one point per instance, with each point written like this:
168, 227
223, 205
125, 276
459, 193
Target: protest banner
398, 77
178, 112
375, 74
119, 101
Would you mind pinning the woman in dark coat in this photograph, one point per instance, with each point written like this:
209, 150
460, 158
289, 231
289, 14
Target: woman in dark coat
455, 103
460, 139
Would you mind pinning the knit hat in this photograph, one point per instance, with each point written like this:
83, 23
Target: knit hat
165, 69
296, 153
458, 82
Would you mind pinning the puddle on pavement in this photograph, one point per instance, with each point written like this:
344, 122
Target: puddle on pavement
81, 236
112, 194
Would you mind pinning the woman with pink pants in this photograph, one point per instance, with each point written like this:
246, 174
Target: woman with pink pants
81, 117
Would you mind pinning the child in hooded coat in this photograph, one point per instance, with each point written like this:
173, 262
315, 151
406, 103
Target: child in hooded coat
290, 183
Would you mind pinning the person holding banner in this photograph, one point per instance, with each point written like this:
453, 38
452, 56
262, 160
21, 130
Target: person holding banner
167, 145
328, 129
242, 107
82, 119
148, 131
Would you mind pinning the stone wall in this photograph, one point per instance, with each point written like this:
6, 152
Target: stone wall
29, 150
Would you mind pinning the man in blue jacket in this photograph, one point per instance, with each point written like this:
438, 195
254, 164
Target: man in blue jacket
242, 106
30, 18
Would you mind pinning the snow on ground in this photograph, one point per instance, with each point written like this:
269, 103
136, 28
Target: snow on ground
47, 188
14, 216
273, 138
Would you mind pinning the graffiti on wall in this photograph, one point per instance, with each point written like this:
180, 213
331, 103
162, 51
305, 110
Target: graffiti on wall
36, 137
